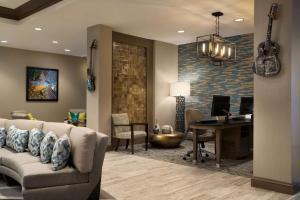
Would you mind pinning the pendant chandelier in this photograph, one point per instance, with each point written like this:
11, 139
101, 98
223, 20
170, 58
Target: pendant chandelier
215, 47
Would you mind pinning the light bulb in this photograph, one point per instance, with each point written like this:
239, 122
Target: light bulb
217, 49
203, 48
229, 52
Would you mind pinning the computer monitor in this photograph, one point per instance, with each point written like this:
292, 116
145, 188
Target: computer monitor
246, 106
220, 105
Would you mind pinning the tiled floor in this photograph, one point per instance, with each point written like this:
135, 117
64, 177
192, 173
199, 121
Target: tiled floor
130, 177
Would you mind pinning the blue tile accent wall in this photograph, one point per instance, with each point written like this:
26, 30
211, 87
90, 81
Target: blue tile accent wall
234, 79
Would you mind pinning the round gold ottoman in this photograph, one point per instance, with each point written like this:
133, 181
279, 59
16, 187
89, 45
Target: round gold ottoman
172, 140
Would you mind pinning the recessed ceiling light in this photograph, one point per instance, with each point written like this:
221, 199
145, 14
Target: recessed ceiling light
67, 50
3, 41
239, 20
180, 31
55, 42
38, 28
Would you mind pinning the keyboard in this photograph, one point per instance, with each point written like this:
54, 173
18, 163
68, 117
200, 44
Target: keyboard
209, 121
238, 118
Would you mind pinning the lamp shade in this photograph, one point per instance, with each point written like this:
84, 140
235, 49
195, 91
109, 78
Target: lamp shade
180, 89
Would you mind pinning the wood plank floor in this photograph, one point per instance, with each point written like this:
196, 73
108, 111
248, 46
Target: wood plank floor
129, 177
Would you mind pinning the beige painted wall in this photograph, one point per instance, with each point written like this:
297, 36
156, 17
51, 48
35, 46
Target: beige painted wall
13, 64
295, 60
166, 72
276, 100
99, 103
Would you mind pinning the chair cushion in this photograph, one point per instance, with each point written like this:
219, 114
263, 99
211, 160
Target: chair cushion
83, 142
58, 128
38, 175
25, 124
46, 148
15, 161
2, 137
127, 134
121, 119
3, 123
35, 139
61, 153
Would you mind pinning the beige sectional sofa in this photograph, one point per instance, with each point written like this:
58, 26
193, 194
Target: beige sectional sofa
79, 181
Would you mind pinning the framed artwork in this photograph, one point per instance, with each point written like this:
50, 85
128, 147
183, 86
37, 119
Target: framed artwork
41, 84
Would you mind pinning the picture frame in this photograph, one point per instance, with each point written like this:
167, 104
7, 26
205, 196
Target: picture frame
42, 84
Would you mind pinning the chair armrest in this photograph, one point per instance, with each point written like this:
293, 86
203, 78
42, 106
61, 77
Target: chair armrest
141, 124
122, 125
137, 124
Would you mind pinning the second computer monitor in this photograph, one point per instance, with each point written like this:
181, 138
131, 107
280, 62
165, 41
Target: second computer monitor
220, 105
246, 106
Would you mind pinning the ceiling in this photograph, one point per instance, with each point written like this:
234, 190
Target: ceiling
67, 21
12, 3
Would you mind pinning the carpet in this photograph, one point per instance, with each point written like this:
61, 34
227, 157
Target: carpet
10, 192
242, 167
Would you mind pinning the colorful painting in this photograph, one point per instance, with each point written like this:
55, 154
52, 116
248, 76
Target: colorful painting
42, 84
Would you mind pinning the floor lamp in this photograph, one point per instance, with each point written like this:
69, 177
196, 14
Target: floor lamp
180, 90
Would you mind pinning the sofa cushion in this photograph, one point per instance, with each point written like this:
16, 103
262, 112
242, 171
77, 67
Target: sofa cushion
5, 152
61, 153
83, 142
3, 123
35, 139
46, 148
38, 175
15, 161
58, 128
25, 124
2, 137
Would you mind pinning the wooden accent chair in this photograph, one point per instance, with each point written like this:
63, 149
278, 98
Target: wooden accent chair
124, 130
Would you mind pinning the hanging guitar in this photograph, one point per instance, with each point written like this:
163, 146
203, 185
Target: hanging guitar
91, 77
267, 63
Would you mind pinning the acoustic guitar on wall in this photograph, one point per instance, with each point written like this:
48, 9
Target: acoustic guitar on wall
91, 77
267, 63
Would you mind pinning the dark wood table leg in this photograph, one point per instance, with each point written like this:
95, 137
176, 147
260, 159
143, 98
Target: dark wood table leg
195, 146
218, 147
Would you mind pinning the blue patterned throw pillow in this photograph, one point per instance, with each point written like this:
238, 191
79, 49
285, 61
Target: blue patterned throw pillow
20, 140
17, 139
35, 139
46, 148
61, 153
2, 137
10, 133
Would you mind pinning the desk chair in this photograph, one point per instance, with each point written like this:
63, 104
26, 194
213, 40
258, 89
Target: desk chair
192, 115
122, 129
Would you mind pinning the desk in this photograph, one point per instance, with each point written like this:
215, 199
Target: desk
217, 128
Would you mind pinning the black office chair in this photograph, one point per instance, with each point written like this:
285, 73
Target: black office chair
192, 115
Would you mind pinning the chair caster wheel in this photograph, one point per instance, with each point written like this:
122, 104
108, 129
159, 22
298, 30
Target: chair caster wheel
202, 161
188, 155
206, 155
184, 158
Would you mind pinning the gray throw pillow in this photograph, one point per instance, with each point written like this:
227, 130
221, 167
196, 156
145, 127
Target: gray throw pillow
35, 139
61, 153
46, 148
2, 137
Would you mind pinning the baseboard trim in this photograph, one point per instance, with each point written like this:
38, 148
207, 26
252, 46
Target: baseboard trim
277, 186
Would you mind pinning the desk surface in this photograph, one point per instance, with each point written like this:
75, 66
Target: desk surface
221, 124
